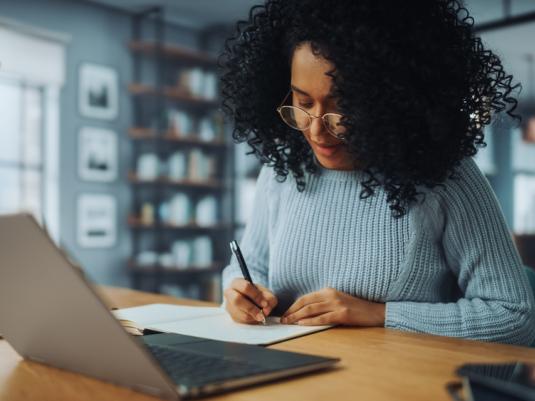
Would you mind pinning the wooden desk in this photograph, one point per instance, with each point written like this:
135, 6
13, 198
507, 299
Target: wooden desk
377, 364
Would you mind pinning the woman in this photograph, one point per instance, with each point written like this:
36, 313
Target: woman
369, 209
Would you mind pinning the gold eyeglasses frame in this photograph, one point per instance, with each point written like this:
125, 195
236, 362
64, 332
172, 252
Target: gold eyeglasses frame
282, 106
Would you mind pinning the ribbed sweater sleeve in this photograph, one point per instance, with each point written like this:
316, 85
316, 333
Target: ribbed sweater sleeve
497, 302
254, 243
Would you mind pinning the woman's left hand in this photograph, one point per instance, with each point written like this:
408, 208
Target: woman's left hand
329, 306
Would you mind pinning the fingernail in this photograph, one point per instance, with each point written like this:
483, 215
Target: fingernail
259, 317
264, 304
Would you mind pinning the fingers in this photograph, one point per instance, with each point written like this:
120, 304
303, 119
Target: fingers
240, 316
244, 300
241, 309
304, 300
260, 295
307, 311
269, 298
313, 297
250, 291
320, 320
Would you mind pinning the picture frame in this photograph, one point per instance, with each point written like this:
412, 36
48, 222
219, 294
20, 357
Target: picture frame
97, 154
97, 220
98, 91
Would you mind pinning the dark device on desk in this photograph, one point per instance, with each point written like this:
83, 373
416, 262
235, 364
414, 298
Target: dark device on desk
50, 314
497, 382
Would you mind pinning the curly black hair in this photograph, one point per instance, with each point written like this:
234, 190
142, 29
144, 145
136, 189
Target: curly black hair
415, 86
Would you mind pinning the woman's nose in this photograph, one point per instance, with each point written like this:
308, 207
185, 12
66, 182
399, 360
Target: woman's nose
317, 129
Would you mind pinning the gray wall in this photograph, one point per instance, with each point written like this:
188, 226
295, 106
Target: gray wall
99, 35
503, 181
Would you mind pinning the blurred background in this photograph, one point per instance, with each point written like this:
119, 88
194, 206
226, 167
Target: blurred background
112, 137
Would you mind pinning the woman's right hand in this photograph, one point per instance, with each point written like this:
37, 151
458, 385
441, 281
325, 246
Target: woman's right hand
238, 301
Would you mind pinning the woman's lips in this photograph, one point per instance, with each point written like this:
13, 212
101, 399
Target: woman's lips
326, 151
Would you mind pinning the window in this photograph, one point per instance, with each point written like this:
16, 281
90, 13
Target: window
21, 149
29, 120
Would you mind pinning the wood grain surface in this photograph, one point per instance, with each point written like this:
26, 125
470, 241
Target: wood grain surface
377, 364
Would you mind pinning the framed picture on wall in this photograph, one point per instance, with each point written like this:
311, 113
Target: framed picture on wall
97, 220
98, 91
97, 154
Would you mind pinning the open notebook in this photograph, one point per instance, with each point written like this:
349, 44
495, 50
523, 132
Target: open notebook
208, 322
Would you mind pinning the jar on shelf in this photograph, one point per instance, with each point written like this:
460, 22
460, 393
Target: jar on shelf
206, 211
147, 213
181, 253
176, 166
179, 209
148, 166
202, 251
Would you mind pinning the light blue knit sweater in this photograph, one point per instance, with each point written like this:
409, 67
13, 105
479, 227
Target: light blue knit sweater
448, 267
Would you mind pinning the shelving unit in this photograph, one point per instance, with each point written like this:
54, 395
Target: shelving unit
146, 134
155, 96
136, 223
176, 94
178, 184
185, 55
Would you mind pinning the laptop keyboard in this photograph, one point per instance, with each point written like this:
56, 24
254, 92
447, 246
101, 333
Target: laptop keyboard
194, 369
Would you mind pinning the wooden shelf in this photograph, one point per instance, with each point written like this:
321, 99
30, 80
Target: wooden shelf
147, 134
173, 93
142, 89
185, 183
135, 222
185, 55
192, 269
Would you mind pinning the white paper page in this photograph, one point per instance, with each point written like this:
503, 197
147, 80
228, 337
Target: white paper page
221, 327
149, 315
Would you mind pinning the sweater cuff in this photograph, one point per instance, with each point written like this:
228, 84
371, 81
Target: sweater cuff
395, 316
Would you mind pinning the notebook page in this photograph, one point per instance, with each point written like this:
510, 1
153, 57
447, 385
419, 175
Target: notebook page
221, 327
153, 314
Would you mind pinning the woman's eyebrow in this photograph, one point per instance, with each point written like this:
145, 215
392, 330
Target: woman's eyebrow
302, 92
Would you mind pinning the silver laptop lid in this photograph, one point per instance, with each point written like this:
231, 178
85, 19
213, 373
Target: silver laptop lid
49, 313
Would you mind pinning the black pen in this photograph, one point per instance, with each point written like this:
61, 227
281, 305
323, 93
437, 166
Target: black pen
245, 271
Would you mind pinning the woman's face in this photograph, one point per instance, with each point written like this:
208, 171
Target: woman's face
311, 91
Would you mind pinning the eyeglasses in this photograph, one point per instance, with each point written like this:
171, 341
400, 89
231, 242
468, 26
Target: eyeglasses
299, 119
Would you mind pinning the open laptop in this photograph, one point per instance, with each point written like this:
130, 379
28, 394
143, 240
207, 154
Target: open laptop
50, 314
